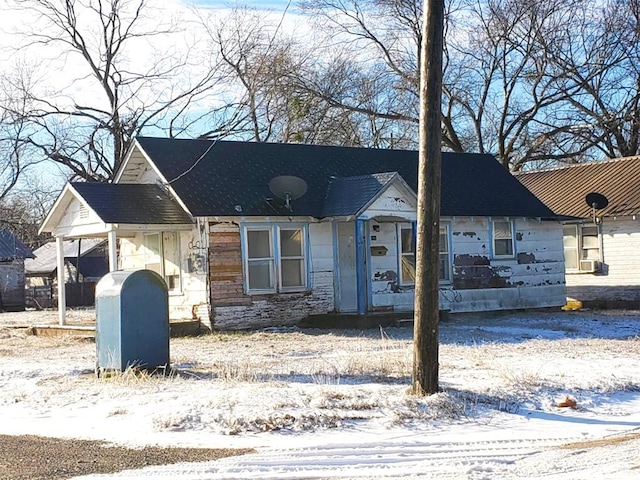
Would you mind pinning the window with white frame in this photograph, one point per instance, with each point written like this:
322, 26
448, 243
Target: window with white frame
407, 255
407, 249
503, 246
275, 258
162, 255
445, 263
581, 248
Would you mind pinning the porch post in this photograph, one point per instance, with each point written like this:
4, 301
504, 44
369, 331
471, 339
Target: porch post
113, 251
62, 301
361, 284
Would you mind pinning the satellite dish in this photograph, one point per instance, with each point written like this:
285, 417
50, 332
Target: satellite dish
288, 187
596, 200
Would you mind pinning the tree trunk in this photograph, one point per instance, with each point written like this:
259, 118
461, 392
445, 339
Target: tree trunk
425, 347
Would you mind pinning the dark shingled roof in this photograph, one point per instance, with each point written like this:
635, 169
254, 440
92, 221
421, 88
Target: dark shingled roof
220, 178
564, 189
347, 195
132, 203
91, 266
11, 247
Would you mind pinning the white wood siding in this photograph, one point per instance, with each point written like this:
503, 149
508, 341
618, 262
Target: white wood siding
191, 301
393, 201
533, 278
284, 308
619, 278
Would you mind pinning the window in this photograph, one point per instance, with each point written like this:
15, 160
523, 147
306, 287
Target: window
407, 256
275, 259
445, 264
407, 251
503, 239
581, 248
162, 255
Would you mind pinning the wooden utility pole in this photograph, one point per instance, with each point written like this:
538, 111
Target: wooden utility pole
425, 332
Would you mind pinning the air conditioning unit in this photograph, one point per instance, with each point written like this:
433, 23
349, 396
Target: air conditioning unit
589, 266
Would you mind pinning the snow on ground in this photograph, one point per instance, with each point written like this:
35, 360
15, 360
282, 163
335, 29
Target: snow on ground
334, 404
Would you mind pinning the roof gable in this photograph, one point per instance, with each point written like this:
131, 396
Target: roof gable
564, 189
350, 195
11, 247
132, 203
226, 178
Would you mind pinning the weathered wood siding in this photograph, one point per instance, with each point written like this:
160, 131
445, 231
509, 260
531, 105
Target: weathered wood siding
393, 201
617, 284
534, 278
232, 309
190, 301
12, 294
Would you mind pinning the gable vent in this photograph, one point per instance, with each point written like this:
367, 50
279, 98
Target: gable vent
84, 212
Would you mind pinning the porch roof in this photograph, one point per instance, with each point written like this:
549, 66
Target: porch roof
131, 203
228, 178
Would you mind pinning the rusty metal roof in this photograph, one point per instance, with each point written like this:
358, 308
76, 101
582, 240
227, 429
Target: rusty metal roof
564, 189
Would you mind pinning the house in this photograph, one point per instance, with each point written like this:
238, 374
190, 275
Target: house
255, 234
85, 262
12, 256
601, 244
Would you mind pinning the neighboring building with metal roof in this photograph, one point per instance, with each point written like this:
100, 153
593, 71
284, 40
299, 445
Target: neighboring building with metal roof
255, 234
91, 253
12, 257
601, 244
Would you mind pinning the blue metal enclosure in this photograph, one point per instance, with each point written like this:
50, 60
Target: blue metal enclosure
132, 321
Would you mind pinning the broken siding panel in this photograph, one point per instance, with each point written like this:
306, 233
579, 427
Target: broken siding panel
225, 265
539, 242
538, 246
479, 282
282, 309
480, 300
470, 236
533, 279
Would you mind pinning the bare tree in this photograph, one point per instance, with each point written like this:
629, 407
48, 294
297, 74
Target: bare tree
501, 90
94, 41
16, 157
597, 59
263, 68
377, 42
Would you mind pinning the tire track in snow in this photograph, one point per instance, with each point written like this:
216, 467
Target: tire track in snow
407, 459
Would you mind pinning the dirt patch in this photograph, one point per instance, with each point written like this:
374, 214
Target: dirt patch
603, 442
28, 457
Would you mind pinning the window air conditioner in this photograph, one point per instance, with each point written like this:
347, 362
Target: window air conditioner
588, 266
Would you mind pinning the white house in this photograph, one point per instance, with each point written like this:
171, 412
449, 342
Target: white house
255, 234
601, 245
